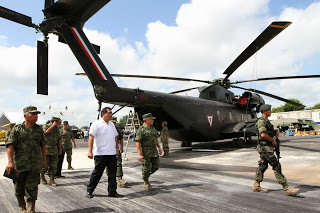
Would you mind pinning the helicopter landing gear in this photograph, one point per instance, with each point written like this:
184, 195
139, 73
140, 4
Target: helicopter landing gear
185, 144
239, 142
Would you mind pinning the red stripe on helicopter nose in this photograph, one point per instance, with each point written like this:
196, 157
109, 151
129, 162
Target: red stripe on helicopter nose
86, 50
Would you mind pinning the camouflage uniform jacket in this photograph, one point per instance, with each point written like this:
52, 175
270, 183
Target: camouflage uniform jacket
120, 134
164, 132
263, 125
27, 142
66, 136
52, 139
8, 134
148, 141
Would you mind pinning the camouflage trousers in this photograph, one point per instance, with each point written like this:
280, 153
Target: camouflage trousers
165, 147
52, 163
27, 185
119, 166
69, 154
149, 166
267, 157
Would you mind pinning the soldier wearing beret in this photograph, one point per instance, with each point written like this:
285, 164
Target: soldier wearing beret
66, 137
54, 149
146, 139
165, 139
266, 150
121, 182
26, 150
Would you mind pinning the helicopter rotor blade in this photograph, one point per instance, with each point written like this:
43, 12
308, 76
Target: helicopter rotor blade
16, 17
267, 35
42, 68
184, 90
271, 96
155, 77
278, 78
160, 77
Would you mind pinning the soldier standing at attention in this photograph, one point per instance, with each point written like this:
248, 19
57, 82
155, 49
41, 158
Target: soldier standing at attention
121, 182
165, 139
9, 131
66, 137
26, 150
54, 149
146, 139
266, 150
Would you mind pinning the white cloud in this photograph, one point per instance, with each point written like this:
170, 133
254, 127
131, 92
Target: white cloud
207, 37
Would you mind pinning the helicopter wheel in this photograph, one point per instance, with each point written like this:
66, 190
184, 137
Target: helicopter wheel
234, 142
247, 139
241, 143
185, 144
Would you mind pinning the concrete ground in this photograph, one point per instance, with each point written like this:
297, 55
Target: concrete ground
209, 177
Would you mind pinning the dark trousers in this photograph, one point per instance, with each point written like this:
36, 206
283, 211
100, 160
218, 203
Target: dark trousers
60, 162
100, 163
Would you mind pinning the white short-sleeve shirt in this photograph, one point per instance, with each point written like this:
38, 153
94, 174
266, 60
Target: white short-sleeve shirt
104, 137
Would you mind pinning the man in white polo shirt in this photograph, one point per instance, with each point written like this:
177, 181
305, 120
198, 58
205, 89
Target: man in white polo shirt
103, 147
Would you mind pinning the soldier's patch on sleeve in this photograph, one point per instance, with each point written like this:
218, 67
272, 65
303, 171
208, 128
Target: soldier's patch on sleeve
261, 125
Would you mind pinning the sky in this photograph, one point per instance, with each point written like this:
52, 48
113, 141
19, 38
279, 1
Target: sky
178, 38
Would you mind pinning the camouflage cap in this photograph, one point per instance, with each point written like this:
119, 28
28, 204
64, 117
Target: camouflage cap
65, 123
265, 107
165, 123
56, 119
114, 119
148, 115
30, 109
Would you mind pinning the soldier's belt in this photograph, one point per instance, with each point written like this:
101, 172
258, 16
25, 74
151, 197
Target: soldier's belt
265, 143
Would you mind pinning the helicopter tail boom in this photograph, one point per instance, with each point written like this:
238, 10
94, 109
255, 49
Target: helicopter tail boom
88, 58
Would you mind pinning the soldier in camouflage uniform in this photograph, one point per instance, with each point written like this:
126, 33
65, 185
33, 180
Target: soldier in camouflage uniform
165, 139
54, 149
11, 125
26, 149
121, 182
266, 150
146, 139
66, 137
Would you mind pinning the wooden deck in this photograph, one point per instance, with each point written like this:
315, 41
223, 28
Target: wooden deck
188, 181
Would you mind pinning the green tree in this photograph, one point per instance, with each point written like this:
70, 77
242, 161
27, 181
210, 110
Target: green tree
289, 107
123, 121
84, 127
277, 109
317, 106
73, 127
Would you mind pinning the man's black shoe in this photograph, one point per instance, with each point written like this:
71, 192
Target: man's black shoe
115, 195
89, 195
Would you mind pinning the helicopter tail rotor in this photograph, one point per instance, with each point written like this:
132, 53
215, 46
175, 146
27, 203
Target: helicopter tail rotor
42, 60
16, 17
42, 46
42, 67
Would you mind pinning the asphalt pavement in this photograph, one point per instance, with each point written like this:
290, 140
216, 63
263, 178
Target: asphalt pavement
208, 177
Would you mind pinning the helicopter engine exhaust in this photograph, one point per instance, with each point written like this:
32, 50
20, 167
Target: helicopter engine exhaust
250, 100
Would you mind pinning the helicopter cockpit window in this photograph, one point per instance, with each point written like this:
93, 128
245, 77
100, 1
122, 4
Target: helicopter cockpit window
228, 97
218, 115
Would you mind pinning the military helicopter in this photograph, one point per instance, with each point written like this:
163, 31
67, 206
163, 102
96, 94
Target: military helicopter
217, 114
